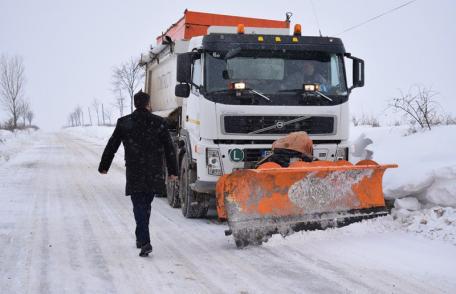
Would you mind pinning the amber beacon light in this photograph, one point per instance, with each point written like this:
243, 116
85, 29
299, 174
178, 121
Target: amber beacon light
297, 29
240, 29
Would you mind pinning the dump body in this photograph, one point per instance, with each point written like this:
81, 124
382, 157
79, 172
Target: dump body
259, 203
194, 24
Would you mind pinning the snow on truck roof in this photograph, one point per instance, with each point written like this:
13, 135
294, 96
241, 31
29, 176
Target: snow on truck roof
195, 23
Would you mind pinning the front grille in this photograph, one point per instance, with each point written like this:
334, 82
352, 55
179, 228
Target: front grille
269, 142
313, 125
242, 142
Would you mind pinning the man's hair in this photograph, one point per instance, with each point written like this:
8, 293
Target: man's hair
141, 99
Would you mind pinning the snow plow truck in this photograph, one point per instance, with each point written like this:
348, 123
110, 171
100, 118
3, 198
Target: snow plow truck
229, 87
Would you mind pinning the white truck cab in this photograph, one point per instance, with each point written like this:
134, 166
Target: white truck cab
230, 93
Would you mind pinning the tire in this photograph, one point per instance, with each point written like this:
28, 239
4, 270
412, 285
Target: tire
172, 192
193, 204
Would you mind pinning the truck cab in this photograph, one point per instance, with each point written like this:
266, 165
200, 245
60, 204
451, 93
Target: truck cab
236, 90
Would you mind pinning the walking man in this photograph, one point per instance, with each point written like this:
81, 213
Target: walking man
147, 143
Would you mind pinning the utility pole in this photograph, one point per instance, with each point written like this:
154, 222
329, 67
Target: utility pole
90, 116
102, 113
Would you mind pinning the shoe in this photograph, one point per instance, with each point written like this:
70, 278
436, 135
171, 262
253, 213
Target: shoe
145, 250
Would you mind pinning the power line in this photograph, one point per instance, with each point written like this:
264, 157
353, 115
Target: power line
378, 16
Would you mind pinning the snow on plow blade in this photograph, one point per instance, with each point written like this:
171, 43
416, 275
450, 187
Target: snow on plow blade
305, 196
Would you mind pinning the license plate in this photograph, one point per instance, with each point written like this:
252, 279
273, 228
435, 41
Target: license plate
265, 153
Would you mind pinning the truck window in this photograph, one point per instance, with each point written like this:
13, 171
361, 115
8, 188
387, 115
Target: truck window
196, 74
336, 72
244, 68
276, 72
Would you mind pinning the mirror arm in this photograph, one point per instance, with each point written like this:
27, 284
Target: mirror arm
194, 85
348, 55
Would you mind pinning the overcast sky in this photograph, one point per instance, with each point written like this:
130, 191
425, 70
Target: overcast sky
70, 47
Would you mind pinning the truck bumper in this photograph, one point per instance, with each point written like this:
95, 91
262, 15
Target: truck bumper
203, 187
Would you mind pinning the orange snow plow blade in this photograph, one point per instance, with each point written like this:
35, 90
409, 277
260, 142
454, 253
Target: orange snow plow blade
304, 196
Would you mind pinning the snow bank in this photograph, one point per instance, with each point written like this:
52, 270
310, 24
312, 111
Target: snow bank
409, 203
438, 223
12, 143
427, 165
435, 223
97, 133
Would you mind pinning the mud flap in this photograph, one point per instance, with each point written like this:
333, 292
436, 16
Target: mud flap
305, 196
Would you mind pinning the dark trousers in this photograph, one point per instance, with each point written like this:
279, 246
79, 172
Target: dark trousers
141, 209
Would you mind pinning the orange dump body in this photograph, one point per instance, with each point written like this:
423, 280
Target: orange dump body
272, 199
194, 24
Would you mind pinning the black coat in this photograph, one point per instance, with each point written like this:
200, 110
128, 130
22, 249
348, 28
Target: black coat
283, 157
147, 143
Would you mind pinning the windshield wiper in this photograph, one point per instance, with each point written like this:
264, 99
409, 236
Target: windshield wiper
260, 94
275, 126
324, 96
301, 91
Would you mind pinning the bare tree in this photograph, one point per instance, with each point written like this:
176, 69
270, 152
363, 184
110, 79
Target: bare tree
127, 77
71, 119
90, 115
23, 109
12, 85
107, 114
419, 105
76, 117
120, 103
30, 115
96, 106
365, 120
80, 115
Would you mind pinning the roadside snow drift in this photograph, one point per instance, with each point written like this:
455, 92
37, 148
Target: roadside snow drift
12, 143
427, 162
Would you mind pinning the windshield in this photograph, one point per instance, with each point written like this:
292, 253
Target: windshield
273, 72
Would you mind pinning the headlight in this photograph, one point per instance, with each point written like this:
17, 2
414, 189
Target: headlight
342, 154
213, 162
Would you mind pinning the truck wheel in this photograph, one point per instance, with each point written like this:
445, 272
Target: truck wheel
193, 205
172, 192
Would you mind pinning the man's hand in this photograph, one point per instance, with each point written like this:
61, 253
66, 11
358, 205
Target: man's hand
172, 177
103, 172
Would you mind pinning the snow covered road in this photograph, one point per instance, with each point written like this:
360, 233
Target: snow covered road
66, 229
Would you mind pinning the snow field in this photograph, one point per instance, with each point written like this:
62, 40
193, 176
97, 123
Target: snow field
12, 143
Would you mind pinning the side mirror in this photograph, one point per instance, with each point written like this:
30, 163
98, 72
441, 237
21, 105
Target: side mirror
182, 90
358, 71
184, 66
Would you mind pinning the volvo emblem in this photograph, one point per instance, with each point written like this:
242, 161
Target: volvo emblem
280, 124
